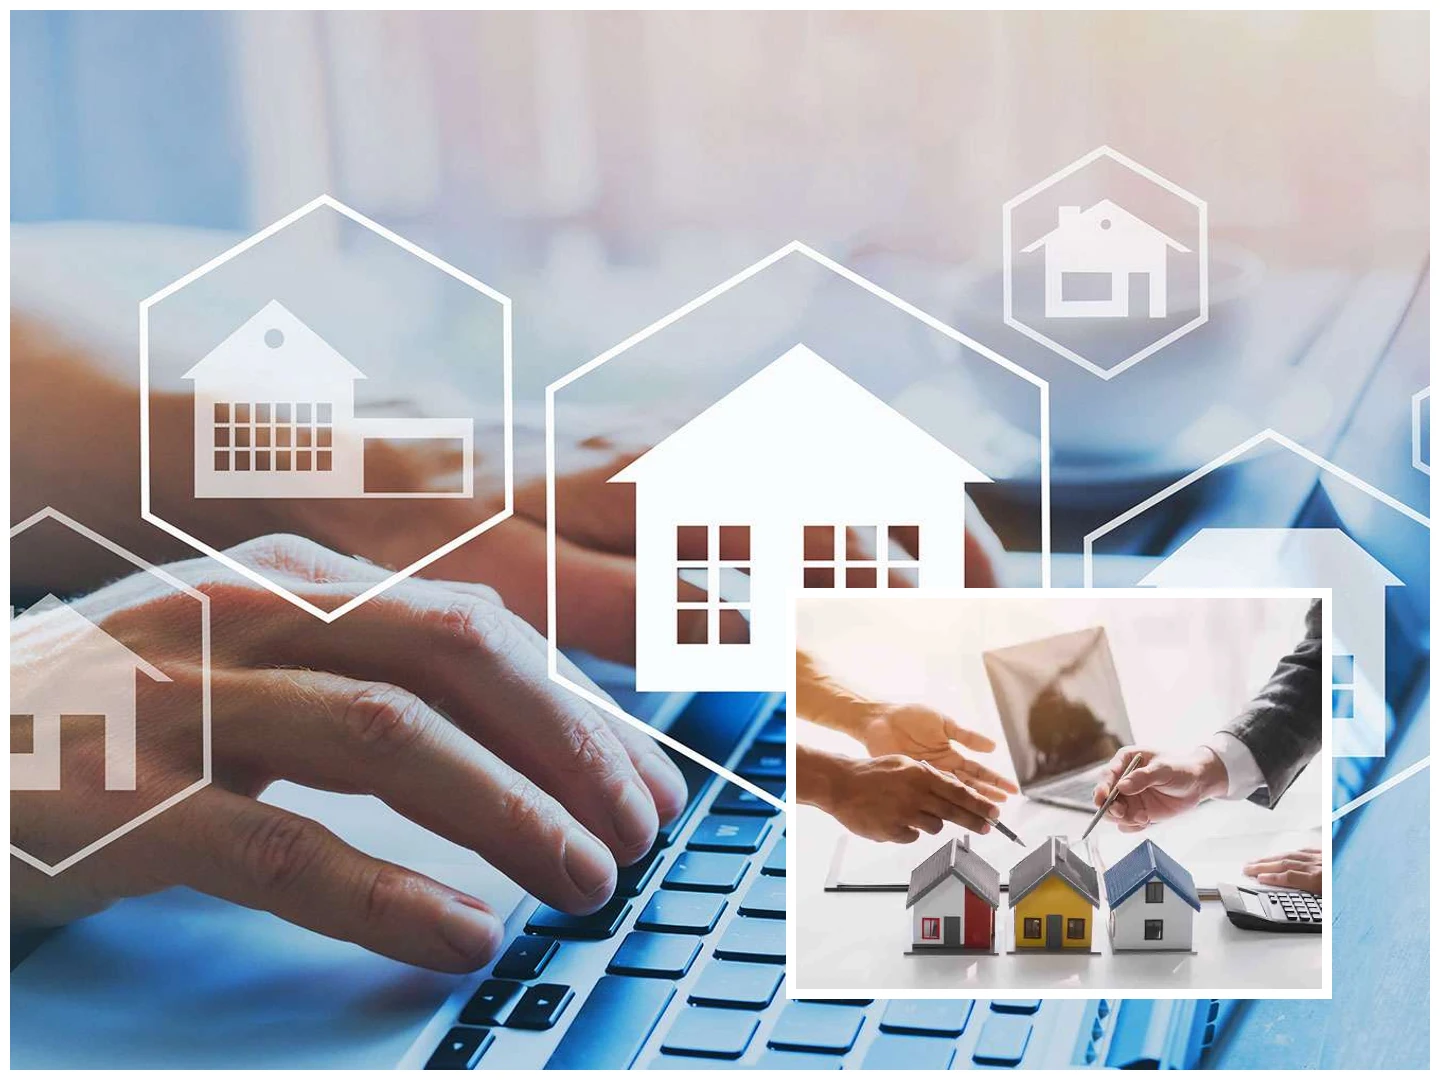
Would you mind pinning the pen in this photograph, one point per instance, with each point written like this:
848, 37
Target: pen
1114, 791
1004, 830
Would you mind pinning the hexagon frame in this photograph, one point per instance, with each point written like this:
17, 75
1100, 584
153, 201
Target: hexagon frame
603, 702
1203, 248
51, 514
1417, 438
405, 245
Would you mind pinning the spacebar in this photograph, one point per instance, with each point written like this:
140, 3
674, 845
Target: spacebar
613, 1024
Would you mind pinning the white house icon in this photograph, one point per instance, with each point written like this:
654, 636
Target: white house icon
274, 409
1308, 558
725, 503
71, 667
1104, 244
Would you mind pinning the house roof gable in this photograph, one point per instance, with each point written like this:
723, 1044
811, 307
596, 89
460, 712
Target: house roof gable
1054, 858
954, 859
246, 354
799, 400
1223, 556
1146, 862
1104, 208
64, 623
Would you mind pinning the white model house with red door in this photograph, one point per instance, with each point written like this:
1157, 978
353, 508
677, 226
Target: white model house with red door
952, 900
65, 665
755, 497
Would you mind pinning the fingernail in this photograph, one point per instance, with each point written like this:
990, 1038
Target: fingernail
471, 931
589, 865
635, 819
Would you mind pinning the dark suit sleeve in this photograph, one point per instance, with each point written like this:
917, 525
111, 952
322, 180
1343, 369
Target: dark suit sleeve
1281, 726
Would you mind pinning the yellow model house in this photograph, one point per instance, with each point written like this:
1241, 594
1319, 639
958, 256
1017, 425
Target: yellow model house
1054, 895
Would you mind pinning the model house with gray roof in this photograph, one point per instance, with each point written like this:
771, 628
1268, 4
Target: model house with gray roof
952, 900
1152, 901
1053, 896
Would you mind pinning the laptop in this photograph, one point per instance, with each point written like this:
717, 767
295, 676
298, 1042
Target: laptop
1062, 711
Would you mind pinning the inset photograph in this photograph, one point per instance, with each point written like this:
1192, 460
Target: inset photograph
1074, 793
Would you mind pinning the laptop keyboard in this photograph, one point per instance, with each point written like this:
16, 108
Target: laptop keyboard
693, 954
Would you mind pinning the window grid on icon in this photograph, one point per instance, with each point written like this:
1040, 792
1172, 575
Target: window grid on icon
268, 436
1342, 686
715, 562
881, 549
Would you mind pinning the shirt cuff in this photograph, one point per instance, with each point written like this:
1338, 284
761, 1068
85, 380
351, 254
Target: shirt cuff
1243, 775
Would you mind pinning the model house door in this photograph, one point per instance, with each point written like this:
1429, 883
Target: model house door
1054, 924
952, 931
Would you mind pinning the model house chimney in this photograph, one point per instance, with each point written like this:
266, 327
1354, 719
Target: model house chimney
1062, 847
964, 841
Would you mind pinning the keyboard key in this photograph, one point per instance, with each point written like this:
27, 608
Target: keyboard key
781, 1059
1002, 1040
927, 1017
761, 941
461, 1049
540, 1007
773, 731
715, 1033
613, 1023
632, 879
490, 1002
661, 956
730, 832
1022, 1008
736, 800
595, 926
763, 763
820, 1029
706, 871
909, 1052
681, 913
765, 900
775, 863
525, 958
737, 985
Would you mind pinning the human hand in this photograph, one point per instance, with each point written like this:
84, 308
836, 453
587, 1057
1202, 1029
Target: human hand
922, 733
1303, 869
891, 798
1163, 784
430, 696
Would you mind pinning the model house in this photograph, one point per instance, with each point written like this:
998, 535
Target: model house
1152, 901
1090, 256
68, 666
755, 497
1053, 897
274, 409
1308, 558
952, 900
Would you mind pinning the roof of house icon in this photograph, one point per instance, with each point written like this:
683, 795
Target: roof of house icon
1245, 558
272, 347
1103, 226
803, 416
59, 635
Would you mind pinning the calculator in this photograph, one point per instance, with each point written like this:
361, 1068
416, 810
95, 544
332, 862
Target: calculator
1277, 910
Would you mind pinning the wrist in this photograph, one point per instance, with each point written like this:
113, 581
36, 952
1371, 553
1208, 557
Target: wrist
1214, 777
819, 778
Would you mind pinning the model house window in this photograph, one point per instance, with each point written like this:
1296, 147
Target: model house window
930, 929
269, 436
712, 598
1342, 687
1154, 892
1074, 928
1032, 928
1154, 930
864, 563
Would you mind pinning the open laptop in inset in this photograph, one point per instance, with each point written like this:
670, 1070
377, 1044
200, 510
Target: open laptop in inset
1063, 714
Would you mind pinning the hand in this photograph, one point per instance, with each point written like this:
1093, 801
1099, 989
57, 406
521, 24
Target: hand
532, 778
1301, 869
924, 734
892, 798
1163, 784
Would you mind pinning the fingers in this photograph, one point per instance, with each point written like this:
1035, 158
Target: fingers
329, 731
978, 776
1155, 774
1113, 771
955, 802
1277, 863
1308, 880
270, 859
967, 738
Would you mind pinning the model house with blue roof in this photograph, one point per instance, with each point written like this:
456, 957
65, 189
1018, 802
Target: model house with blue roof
1152, 901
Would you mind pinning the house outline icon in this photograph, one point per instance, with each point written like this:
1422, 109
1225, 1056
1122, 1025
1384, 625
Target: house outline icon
1105, 239
1307, 558
1269, 435
274, 412
88, 673
797, 444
